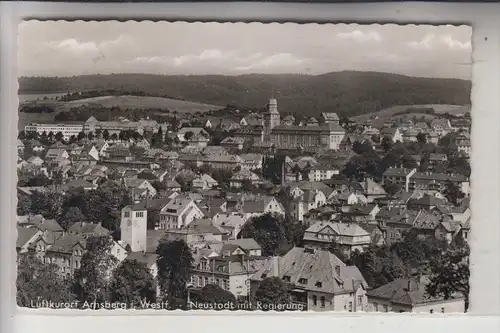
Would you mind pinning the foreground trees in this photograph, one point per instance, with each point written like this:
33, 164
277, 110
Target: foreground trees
132, 283
91, 280
40, 281
175, 263
273, 291
274, 233
450, 272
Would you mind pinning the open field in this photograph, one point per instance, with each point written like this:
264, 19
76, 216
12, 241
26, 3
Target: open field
143, 102
390, 112
124, 102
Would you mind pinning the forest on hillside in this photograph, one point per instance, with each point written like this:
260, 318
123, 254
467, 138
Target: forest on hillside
348, 93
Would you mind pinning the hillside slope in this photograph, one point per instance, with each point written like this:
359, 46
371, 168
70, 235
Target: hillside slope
350, 93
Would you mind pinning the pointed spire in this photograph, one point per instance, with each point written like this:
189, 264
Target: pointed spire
272, 92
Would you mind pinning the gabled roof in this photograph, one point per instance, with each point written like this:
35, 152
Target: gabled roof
66, 243
407, 291
317, 270
24, 235
88, 228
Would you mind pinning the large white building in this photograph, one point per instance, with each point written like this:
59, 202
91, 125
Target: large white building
67, 130
323, 136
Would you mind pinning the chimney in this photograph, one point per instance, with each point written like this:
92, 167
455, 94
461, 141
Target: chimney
409, 284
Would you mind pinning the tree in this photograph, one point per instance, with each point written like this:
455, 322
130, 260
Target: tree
274, 233
246, 185
105, 134
81, 136
36, 280
132, 283
90, 136
48, 204
50, 137
72, 215
153, 219
421, 138
273, 291
91, 280
175, 263
378, 265
188, 135
387, 143
214, 294
98, 133
72, 139
450, 273
452, 192
21, 135
416, 251
392, 188
114, 137
59, 136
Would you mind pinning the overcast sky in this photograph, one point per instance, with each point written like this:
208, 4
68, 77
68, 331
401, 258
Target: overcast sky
73, 48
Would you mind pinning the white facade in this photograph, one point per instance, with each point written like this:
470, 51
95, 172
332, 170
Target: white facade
67, 130
133, 228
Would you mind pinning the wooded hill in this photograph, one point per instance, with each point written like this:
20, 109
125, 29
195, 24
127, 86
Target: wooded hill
348, 92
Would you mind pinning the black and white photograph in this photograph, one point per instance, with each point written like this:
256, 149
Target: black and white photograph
243, 166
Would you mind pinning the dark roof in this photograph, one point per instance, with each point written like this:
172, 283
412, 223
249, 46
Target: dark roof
408, 291
66, 243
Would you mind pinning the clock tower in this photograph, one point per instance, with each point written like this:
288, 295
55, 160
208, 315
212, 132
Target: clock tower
133, 227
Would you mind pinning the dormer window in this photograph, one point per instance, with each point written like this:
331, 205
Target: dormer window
286, 278
263, 276
318, 284
302, 281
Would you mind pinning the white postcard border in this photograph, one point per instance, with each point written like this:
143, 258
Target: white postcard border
485, 262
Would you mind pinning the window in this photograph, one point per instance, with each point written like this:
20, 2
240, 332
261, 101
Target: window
303, 281
360, 300
350, 306
386, 308
126, 214
318, 284
217, 282
322, 299
286, 278
442, 310
139, 214
315, 300
431, 311
375, 305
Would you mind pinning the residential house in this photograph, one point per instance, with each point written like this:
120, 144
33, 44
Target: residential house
393, 133
231, 273
181, 134
346, 237
25, 239
204, 182
56, 155
35, 161
66, 253
199, 231
259, 206
37, 146
179, 212
441, 126
320, 172
233, 143
20, 146
252, 161
410, 295
244, 176
398, 176
320, 281
308, 200
231, 223
372, 190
